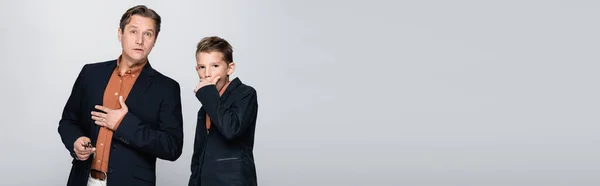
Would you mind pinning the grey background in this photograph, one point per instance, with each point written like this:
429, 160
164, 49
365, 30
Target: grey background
350, 92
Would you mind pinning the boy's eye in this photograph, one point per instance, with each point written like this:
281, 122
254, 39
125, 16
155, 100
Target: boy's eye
201, 67
215, 66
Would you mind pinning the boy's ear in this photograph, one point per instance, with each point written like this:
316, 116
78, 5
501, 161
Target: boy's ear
230, 68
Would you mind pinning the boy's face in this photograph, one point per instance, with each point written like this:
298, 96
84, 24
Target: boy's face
138, 38
211, 65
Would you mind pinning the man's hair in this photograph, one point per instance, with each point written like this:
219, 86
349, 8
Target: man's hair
143, 11
216, 44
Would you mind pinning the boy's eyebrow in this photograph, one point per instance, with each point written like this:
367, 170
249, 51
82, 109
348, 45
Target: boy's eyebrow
210, 63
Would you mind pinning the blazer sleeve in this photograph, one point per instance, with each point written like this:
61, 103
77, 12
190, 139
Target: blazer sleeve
69, 126
230, 120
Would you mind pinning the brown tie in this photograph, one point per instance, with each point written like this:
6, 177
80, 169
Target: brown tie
220, 94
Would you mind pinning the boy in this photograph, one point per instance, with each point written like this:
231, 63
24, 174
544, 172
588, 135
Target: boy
226, 121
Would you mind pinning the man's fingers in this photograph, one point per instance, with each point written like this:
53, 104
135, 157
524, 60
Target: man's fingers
80, 152
122, 102
102, 108
96, 118
85, 152
83, 157
99, 114
102, 124
80, 147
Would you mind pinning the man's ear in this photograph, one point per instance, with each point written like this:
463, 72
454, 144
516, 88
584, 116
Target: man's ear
119, 34
230, 68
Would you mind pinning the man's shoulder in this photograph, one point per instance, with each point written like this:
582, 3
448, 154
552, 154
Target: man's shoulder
165, 85
100, 64
164, 78
90, 69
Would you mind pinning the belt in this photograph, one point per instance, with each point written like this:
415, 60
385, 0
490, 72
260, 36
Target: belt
98, 175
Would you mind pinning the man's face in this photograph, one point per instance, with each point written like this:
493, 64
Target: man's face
138, 38
212, 65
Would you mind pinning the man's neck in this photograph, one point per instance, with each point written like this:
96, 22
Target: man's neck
127, 64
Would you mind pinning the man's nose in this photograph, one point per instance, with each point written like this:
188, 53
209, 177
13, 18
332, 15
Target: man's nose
139, 39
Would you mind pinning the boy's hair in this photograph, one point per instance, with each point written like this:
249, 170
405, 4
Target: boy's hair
216, 44
143, 11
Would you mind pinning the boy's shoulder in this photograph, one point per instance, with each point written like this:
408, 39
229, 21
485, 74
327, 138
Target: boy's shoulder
241, 88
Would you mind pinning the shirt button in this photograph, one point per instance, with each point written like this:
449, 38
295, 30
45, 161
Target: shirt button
116, 93
98, 161
133, 75
101, 144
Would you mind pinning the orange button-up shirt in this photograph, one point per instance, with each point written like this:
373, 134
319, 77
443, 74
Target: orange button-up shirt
118, 85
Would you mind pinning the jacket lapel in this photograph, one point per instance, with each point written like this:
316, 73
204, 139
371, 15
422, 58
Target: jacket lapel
232, 86
140, 85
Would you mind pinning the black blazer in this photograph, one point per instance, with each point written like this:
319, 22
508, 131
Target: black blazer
151, 129
224, 156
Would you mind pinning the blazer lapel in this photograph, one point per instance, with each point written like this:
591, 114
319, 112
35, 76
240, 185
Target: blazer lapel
232, 86
140, 85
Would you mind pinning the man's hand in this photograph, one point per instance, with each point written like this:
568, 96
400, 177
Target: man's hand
83, 152
205, 82
110, 117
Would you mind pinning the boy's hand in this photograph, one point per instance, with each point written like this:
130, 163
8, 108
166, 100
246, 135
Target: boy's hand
206, 81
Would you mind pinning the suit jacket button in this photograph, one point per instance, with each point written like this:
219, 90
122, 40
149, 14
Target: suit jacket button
110, 170
114, 146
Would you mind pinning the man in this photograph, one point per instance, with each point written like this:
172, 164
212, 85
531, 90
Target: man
226, 121
122, 114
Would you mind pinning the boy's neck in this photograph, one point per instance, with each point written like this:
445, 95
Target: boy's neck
223, 84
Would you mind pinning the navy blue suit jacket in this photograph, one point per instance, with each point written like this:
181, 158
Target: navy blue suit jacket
152, 128
224, 156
